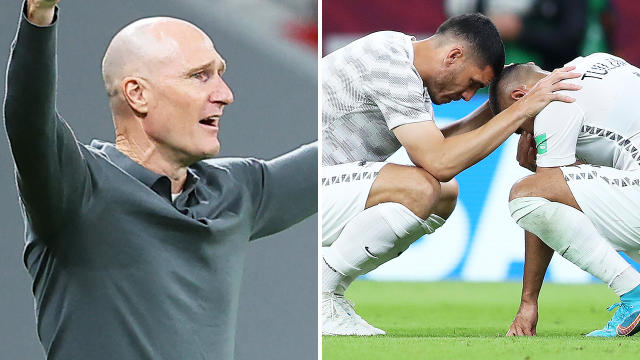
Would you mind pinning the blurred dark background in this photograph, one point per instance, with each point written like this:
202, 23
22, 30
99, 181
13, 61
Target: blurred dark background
548, 32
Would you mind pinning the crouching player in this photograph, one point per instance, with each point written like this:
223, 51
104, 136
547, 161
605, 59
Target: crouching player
584, 199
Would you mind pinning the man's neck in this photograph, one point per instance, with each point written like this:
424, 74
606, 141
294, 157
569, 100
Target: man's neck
150, 156
423, 55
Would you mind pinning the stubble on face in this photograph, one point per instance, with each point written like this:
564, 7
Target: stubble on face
438, 85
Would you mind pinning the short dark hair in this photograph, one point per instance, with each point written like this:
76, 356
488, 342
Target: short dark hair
494, 88
481, 34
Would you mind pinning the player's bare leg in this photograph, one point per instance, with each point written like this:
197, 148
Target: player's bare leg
404, 203
544, 205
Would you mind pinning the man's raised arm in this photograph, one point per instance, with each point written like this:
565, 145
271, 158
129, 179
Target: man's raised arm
290, 191
51, 172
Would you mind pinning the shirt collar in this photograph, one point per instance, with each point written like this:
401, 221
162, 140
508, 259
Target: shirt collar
157, 182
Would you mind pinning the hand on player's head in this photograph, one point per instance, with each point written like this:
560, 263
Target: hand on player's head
545, 91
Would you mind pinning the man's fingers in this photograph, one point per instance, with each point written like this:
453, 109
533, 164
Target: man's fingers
532, 159
556, 77
565, 86
565, 69
532, 141
42, 4
563, 98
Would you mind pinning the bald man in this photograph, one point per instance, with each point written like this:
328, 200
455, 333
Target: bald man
584, 199
136, 249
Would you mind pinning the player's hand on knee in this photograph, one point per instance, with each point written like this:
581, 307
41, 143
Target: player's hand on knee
40, 12
545, 91
526, 155
525, 322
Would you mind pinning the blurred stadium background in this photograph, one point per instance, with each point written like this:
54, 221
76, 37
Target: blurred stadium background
270, 47
481, 242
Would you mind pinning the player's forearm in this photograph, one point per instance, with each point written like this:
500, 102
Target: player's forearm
537, 257
474, 120
456, 153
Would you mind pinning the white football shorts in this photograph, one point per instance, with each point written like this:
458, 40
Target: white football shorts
611, 200
345, 188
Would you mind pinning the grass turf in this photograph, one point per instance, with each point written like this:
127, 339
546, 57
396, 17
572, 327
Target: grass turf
455, 320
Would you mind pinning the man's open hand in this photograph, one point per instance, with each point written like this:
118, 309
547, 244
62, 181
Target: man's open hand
40, 12
525, 321
546, 91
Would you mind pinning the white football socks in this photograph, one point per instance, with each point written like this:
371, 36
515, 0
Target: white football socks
373, 237
571, 234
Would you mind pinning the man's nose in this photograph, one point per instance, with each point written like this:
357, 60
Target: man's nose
221, 92
468, 94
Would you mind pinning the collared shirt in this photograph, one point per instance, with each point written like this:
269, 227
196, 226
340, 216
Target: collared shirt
119, 270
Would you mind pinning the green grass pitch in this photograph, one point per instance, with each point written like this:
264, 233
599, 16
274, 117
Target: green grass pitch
457, 320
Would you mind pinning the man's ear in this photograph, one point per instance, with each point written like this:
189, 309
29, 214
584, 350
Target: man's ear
135, 94
454, 55
517, 93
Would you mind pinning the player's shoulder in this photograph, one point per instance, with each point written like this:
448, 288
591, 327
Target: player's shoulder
392, 40
387, 36
231, 168
596, 61
383, 44
561, 113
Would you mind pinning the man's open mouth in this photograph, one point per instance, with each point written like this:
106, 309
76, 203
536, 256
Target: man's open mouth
210, 121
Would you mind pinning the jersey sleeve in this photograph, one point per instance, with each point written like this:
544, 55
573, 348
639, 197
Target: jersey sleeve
52, 175
556, 130
396, 88
288, 191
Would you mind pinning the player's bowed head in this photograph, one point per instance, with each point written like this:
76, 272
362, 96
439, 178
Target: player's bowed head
463, 55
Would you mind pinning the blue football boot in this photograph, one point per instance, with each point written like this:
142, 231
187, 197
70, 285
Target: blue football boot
631, 323
620, 315
629, 304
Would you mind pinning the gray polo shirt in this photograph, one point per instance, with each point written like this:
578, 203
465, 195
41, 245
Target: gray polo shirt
119, 271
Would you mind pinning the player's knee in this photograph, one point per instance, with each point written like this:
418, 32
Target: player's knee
423, 194
447, 200
522, 188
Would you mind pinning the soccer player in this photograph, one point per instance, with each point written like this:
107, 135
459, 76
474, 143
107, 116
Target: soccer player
136, 249
376, 96
583, 200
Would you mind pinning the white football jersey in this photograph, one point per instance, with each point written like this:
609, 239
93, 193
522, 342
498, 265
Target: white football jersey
602, 126
370, 87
